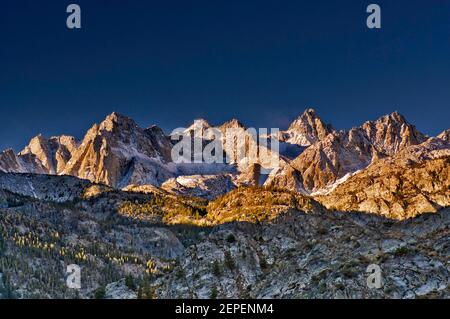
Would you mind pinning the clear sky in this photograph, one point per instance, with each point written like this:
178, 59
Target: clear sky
263, 62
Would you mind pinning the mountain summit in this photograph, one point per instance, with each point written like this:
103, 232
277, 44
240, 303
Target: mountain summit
392, 133
307, 129
53, 153
339, 154
118, 153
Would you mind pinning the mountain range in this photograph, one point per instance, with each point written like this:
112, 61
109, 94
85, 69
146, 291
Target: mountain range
143, 226
350, 170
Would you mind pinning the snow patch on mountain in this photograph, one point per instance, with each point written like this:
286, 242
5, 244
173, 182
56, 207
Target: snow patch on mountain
332, 187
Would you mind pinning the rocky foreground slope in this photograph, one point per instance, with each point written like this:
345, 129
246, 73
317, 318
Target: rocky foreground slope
148, 243
316, 256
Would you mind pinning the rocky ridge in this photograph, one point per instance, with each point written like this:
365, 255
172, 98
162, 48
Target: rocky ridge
314, 158
415, 181
345, 152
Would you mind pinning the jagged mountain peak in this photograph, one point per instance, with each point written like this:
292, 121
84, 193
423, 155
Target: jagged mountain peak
338, 154
41, 138
68, 141
309, 114
199, 123
118, 121
113, 124
26, 163
233, 123
38, 137
155, 130
307, 129
120, 130
118, 152
9, 162
197, 128
52, 153
396, 116
392, 118
117, 117
392, 133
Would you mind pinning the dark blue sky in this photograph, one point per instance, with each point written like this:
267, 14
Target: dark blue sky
168, 62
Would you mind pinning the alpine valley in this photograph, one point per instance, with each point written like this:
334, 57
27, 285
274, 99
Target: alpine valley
142, 226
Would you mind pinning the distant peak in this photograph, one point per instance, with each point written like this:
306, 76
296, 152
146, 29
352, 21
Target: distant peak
309, 116
201, 121
199, 124
233, 123
391, 133
397, 116
114, 116
393, 117
37, 142
154, 129
117, 120
38, 139
308, 128
42, 140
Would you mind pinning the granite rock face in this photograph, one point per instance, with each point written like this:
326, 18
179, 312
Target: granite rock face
52, 153
119, 290
415, 181
338, 154
119, 153
307, 129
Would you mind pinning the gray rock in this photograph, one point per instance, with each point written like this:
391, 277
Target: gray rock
391, 245
119, 290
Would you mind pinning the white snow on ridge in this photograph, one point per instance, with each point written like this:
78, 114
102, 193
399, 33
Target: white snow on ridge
332, 187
